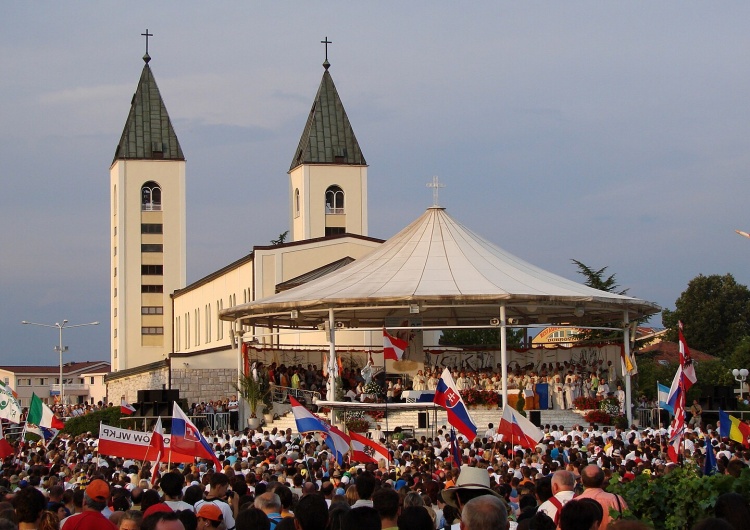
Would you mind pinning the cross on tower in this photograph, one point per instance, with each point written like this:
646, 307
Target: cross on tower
326, 64
435, 185
147, 35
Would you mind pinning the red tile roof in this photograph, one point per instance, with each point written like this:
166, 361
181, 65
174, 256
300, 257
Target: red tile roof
68, 368
670, 351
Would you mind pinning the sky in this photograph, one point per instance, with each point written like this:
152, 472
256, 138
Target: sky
617, 134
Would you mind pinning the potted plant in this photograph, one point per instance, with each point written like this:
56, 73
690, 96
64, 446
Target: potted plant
252, 392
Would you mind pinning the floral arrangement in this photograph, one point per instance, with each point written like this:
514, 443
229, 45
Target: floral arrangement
376, 414
474, 397
611, 406
358, 424
373, 388
587, 403
598, 416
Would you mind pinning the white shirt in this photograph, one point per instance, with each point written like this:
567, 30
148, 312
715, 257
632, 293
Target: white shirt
550, 509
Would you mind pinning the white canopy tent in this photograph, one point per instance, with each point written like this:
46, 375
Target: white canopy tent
451, 277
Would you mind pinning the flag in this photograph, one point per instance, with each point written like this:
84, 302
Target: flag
359, 445
157, 444
10, 409
188, 440
663, 392
684, 379
338, 442
686, 361
709, 466
44, 434
448, 397
377, 448
5, 448
306, 421
136, 445
733, 428
518, 430
455, 449
41, 415
393, 348
126, 408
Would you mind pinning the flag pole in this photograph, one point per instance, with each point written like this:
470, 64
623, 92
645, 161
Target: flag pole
658, 406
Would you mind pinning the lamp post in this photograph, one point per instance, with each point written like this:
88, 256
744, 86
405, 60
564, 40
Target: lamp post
740, 376
60, 348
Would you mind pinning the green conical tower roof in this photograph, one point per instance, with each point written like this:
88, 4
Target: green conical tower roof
148, 132
328, 137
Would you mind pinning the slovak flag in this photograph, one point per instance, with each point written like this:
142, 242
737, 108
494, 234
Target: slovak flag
359, 443
518, 430
126, 408
338, 442
306, 421
447, 396
393, 348
187, 439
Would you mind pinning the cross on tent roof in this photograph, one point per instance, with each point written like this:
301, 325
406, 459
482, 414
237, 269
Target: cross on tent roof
435, 185
326, 64
147, 57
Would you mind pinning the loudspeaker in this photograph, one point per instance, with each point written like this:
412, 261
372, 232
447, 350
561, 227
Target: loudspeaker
423, 420
170, 395
535, 417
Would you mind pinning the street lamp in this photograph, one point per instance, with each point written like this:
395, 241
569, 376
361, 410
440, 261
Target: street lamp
740, 376
60, 348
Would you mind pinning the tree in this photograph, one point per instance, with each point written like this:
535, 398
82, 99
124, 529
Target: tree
596, 280
480, 337
281, 239
715, 313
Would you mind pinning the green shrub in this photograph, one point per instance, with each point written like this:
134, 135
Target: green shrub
678, 500
90, 422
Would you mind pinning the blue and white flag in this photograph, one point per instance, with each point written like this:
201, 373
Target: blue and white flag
663, 391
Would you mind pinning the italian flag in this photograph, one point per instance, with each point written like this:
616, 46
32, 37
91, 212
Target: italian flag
41, 415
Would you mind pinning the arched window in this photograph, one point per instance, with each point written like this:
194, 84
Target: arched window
334, 200
296, 202
150, 196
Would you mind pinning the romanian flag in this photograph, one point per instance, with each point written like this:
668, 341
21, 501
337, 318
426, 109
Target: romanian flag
733, 428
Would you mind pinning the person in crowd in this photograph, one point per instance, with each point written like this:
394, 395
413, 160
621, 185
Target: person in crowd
95, 499
592, 477
484, 512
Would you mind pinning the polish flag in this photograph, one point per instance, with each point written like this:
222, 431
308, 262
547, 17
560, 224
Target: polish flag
393, 348
126, 408
157, 442
516, 429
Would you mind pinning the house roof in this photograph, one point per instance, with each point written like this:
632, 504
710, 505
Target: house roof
148, 132
314, 274
447, 272
68, 368
328, 137
670, 352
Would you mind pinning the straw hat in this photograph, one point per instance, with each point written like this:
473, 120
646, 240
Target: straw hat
470, 478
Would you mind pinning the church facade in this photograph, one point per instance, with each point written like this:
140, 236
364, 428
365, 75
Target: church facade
166, 333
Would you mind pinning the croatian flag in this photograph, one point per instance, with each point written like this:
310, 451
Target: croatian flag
306, 420
447, 396
393, 348
664, 398
126, 408
187, 439
338, 442
455, 450
518, 430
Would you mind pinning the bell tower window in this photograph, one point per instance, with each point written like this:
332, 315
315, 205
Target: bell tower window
150, 196
334, 200
296, 202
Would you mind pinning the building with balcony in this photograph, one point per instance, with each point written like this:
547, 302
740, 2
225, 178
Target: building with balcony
83, 382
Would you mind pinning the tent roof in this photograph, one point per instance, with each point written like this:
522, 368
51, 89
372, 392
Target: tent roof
450, 276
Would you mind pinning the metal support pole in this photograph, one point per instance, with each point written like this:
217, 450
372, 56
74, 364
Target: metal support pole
626, 350
332, 365
504, 355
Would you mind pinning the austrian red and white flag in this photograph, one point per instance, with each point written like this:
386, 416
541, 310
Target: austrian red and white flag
126, 408
393, 348
360, 444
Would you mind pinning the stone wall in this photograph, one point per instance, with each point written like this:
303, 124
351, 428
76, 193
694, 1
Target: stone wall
129, 386
195, 385
204, 384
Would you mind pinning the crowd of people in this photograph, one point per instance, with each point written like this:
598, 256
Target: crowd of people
268, 480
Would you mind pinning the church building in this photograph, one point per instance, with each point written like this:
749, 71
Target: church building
167, 334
